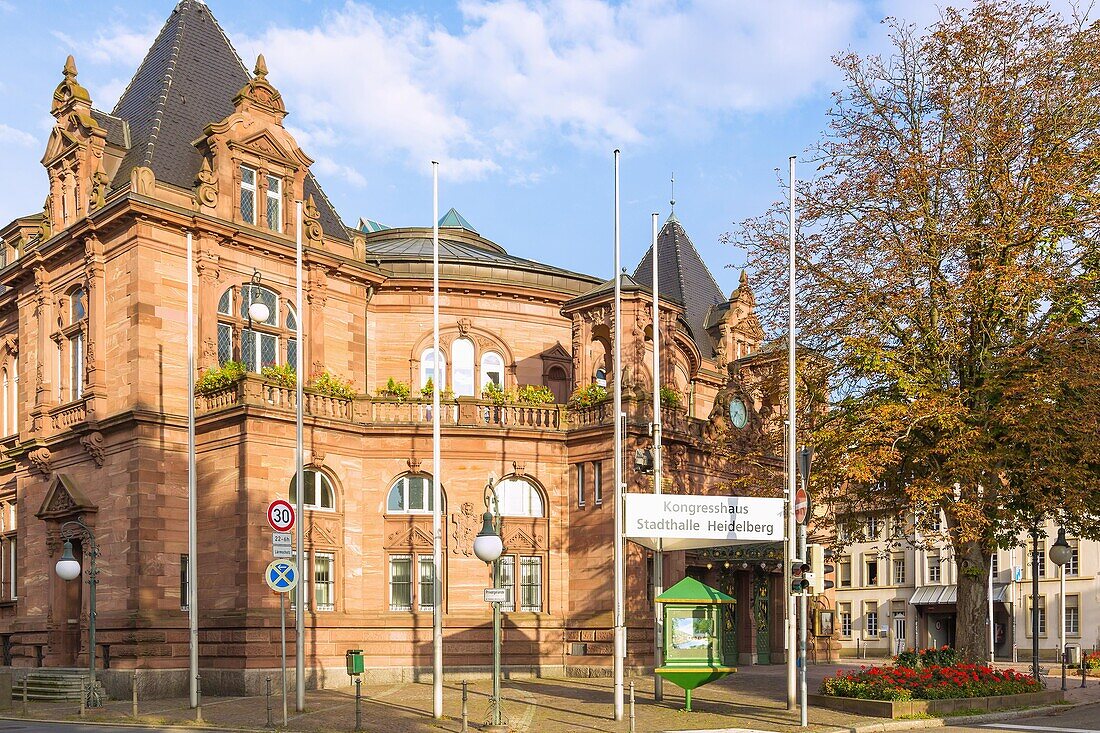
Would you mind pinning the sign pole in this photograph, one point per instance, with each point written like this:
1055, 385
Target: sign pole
299, 460
619, 571
658, 555
792, 551
282, 632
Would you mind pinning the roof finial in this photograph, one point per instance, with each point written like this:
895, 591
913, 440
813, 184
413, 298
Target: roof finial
744, 278
70, 68
672, 201
261, 67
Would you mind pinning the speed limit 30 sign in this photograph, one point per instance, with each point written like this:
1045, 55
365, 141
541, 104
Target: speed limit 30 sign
280, 515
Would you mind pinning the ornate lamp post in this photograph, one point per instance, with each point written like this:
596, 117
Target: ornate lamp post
488, 546
1060, 554
68, 568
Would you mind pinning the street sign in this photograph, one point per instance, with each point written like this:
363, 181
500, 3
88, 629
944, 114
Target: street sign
282, 551
801, 505
282, 538
281, 575
496, 595
280, 515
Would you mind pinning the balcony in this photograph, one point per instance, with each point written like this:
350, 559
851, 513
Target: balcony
465, 412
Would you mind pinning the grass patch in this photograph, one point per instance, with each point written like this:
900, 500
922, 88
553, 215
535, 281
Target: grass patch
915, 716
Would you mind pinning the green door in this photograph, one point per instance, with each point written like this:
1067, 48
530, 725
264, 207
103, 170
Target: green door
760, 608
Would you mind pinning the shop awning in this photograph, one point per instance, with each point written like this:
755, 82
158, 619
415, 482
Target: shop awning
948, 595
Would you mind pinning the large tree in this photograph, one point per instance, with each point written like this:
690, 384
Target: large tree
949, 271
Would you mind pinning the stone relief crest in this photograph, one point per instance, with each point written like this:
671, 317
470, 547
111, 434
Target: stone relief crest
465, 529
40, 460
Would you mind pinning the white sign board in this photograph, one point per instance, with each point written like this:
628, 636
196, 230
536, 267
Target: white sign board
282, 551
688, 522
282, 538
496, 595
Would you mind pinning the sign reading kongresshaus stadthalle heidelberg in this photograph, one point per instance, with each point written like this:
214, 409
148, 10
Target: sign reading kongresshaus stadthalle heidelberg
692, 520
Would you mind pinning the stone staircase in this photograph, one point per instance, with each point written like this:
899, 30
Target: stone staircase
53, 684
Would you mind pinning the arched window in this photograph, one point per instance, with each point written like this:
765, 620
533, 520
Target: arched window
260, 344
13, 400
319, 493
492, 369
7, 403
74, 341
462, 367
411, 494
428, 369
558, 382
518, 497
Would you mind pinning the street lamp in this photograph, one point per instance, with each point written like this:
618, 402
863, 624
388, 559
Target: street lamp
488, 546
1060, 554
257, 310
68, 568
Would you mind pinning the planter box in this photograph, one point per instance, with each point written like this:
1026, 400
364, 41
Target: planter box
935, 708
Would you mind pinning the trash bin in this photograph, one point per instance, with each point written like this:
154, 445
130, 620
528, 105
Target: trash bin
1073, 655
354, 659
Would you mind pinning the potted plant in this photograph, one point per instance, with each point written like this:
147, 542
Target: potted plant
395, 390
219, 378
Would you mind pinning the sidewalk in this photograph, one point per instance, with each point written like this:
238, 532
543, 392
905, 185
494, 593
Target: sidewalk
753, 699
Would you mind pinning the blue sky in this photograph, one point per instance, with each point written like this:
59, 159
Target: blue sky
523, 101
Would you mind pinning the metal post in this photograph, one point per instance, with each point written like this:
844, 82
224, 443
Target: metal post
1084, 668
192, 490
465, 710
133, 693
631, 706
1062, 619
617, 539
299, 461
83, 696
658, 555
25, 695
282, 633
1035, 602
437, 480
791, 443
358, 700
495, 711
802, 619
93, 572
267, 696
198, 698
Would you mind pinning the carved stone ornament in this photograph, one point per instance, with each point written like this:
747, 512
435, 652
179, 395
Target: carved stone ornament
206, 186
142, 181
100, 186
93, 443
209, 351
311, 219
414, 465
10, 343
464, 325
465, 529
520, 469
316, 459
520, 539
63, 499
40, 460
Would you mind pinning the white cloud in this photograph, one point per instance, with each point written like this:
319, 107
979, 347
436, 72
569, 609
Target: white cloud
592, 73
6, 7
326, 166
115, 44
10, 134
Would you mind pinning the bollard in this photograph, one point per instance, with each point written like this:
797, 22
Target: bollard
465, 712
358, 716
198, 698
83, 700
133, 703
631, 706
24, 696
269, 723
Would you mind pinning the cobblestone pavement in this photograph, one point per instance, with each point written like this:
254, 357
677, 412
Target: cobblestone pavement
753, 699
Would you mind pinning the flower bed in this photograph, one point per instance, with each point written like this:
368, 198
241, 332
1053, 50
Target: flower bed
931, 682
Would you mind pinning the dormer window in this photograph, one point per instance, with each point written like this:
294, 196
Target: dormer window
248, 194
274, 204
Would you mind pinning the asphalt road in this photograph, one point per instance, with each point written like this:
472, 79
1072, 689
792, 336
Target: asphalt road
1084, 719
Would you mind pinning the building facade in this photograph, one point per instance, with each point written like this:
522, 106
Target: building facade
895, 592
94, 398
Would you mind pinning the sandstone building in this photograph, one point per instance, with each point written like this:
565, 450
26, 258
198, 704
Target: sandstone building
93, 404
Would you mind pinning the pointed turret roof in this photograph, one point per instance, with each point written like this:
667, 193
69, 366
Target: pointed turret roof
454, 219
187, 81
684, 278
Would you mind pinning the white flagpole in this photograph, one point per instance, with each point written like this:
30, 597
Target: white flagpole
192, 498
437, 494
658, 555
299, 481
792, 551
620, 629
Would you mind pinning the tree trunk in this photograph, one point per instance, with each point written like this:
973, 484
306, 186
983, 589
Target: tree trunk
972, 609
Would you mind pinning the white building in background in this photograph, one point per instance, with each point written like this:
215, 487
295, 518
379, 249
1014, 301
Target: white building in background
891, 595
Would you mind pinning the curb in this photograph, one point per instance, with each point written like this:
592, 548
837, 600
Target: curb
180, 725
952, 721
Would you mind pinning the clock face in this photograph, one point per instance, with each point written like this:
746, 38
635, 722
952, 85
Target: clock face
739, 416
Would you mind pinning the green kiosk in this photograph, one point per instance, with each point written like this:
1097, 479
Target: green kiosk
698, 643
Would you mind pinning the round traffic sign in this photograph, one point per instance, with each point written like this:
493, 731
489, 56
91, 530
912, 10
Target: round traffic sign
281, 575
801, 505
280, 515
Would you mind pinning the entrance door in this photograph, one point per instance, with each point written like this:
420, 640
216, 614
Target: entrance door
899, 633
66, 604
760, 607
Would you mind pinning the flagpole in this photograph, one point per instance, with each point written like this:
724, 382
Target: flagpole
620, 630
299, 479
192, 499
659, 555
437, 497
792, 551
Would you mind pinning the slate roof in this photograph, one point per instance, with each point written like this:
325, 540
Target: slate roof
450, 250
118, 130
684, 278
187, 81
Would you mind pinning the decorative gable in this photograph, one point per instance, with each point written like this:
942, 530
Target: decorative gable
63, 499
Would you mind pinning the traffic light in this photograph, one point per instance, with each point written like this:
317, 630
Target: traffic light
800, 582
827, 569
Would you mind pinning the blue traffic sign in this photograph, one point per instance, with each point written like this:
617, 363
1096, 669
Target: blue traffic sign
281, 575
